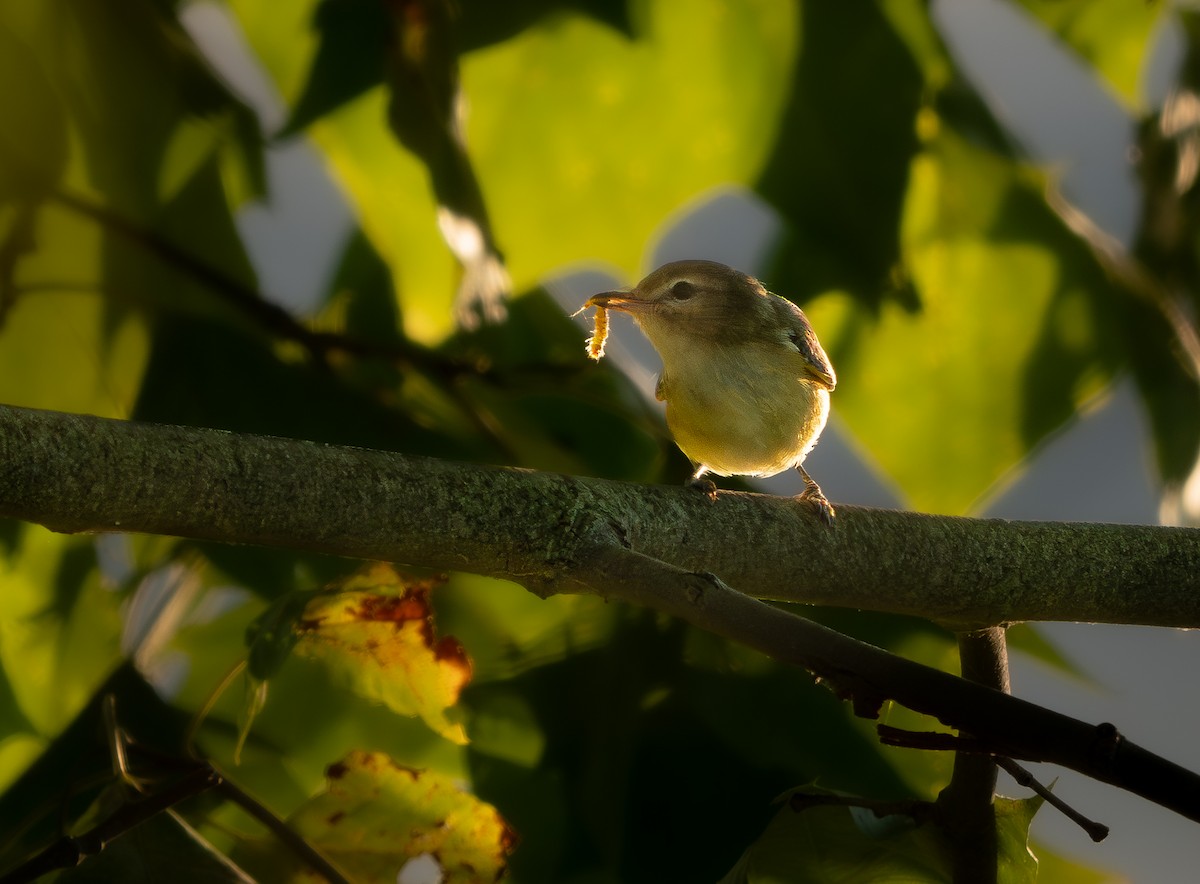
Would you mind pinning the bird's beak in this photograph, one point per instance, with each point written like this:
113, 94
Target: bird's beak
617, 301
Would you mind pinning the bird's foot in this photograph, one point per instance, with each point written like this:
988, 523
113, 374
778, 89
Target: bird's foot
824, 508
812, 493
705, 486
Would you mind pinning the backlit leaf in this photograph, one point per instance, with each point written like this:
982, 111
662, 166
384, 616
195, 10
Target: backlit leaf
841, 160
59, 629
375, 631
375, 816
33, 137
826, 844
1008, 335
1016, 862
585, 141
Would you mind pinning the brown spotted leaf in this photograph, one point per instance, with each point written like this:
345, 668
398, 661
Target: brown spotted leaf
376, 816
375, 632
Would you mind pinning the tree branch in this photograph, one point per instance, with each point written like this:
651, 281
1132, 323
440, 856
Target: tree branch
81, 473
649, 545
867, 676
966, 808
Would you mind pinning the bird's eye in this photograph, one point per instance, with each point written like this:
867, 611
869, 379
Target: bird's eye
682, 290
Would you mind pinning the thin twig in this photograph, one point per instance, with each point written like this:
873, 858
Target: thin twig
70, 851
1130, 274
198, 776
282, 831
1096, 831
265, 313
934, 741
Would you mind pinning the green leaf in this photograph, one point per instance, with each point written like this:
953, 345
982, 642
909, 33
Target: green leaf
273, 634
1112, 36
372, 633
838, 176
1010, 333
819, 844
33, 125
560, 134
311, 716
822, 844
256, 699
360, 300
71, 351
60, 627
135, 214
560, 430
924, 774
587, 141
484, 22
828, 843
1016, 862
549, 406
778, 743
1169, 391
352, 54
991, 312
194, 365
130, 75
509, 630
503, 725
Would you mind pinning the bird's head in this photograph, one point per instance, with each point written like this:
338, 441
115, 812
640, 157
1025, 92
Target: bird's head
700, 299
693, 304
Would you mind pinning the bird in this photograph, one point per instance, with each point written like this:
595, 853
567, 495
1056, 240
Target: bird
745, 381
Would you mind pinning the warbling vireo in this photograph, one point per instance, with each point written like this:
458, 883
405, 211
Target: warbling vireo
744, 377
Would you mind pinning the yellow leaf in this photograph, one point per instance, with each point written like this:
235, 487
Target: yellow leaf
375, 631
376, 816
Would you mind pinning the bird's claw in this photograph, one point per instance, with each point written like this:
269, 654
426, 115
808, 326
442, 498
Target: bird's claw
705, 486
824, 508
813, 494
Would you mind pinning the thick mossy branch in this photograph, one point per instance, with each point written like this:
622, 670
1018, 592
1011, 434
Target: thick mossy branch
82, 473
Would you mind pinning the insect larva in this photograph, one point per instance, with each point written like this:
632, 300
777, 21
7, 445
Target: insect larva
595, 343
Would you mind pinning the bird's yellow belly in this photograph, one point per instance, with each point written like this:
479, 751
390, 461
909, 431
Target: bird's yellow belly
747, 426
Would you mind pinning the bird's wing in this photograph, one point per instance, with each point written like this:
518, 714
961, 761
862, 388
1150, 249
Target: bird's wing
804, 339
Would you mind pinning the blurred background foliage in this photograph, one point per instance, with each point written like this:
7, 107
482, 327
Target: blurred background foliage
485, 149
